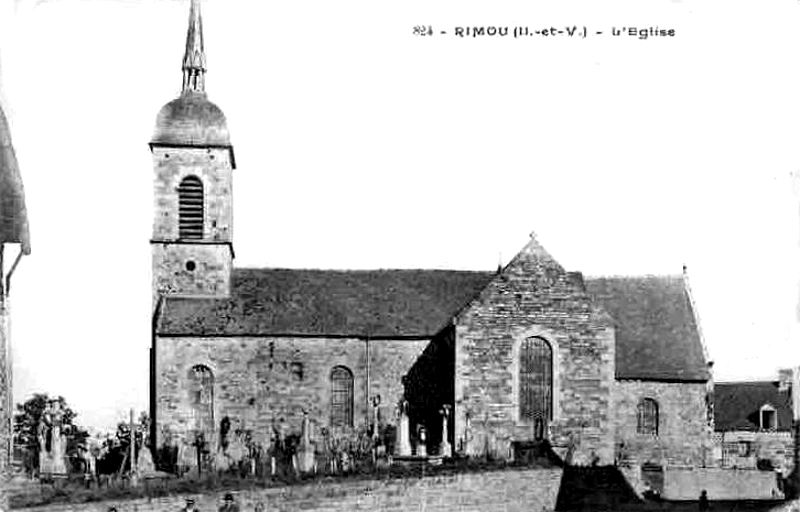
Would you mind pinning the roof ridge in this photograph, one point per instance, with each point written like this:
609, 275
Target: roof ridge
760, 381
348, 270
632, 276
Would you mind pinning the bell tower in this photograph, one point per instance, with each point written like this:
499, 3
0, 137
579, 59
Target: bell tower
192, 242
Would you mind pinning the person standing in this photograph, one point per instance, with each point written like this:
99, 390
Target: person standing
228, 504
702, 504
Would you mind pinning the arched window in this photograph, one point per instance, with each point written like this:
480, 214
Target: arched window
341, 397
536, 384
647, 417
190, 208
201, 396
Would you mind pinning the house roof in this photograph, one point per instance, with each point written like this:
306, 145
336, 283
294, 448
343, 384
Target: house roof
656, 330
13, 215
656, 333
737, 404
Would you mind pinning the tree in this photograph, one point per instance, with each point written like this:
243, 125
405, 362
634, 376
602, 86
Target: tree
26, 424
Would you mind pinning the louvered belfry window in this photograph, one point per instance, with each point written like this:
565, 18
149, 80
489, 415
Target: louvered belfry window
647, 417
190, 208
341, 397
536, 383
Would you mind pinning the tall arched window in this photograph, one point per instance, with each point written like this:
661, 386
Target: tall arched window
536, 384
201, 396
341, 397
190, 208
647, 417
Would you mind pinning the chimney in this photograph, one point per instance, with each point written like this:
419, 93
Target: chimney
785, 378
796, 395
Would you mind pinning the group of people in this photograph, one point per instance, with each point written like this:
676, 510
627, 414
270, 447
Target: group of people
228, 505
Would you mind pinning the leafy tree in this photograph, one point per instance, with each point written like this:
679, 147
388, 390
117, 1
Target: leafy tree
26, 424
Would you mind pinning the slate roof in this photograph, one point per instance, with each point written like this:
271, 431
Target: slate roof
13, 214
657, 337
737, 404
375, 303
656, 330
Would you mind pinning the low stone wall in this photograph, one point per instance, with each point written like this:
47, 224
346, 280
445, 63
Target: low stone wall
504, 490
633, 475
720, 484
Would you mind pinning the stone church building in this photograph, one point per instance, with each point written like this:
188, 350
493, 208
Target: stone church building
607, 370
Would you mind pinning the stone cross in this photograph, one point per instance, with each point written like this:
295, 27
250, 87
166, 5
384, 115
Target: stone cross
52, 442
445, 449
199, 446
376, 401
465, 441
305, 437
402, 446
43, 437
134, 470
306, 461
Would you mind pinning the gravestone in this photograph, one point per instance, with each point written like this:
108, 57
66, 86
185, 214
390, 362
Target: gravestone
445, 449
376, 402
145, 463
402, 445
305, 452
237, 449
52, 441
422, 448
467, 439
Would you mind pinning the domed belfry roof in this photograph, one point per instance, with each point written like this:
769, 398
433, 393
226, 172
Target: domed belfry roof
13, 215
191, 119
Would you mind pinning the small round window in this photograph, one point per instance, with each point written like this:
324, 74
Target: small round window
191, 265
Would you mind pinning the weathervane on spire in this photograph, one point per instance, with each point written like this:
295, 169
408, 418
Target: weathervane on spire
194, 59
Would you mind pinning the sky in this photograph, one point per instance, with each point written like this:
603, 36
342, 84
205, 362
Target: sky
361, 145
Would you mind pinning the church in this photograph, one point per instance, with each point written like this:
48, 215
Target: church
605, 370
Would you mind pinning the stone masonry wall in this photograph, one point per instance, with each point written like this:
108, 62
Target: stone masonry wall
500, 491
261, 380
777, 447
534, 296
684, 436
194, 270
213, 167
720, 484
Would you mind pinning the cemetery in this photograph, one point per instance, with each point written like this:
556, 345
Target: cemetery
371, 457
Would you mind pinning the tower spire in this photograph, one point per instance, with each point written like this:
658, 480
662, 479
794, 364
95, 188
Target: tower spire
194, 59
